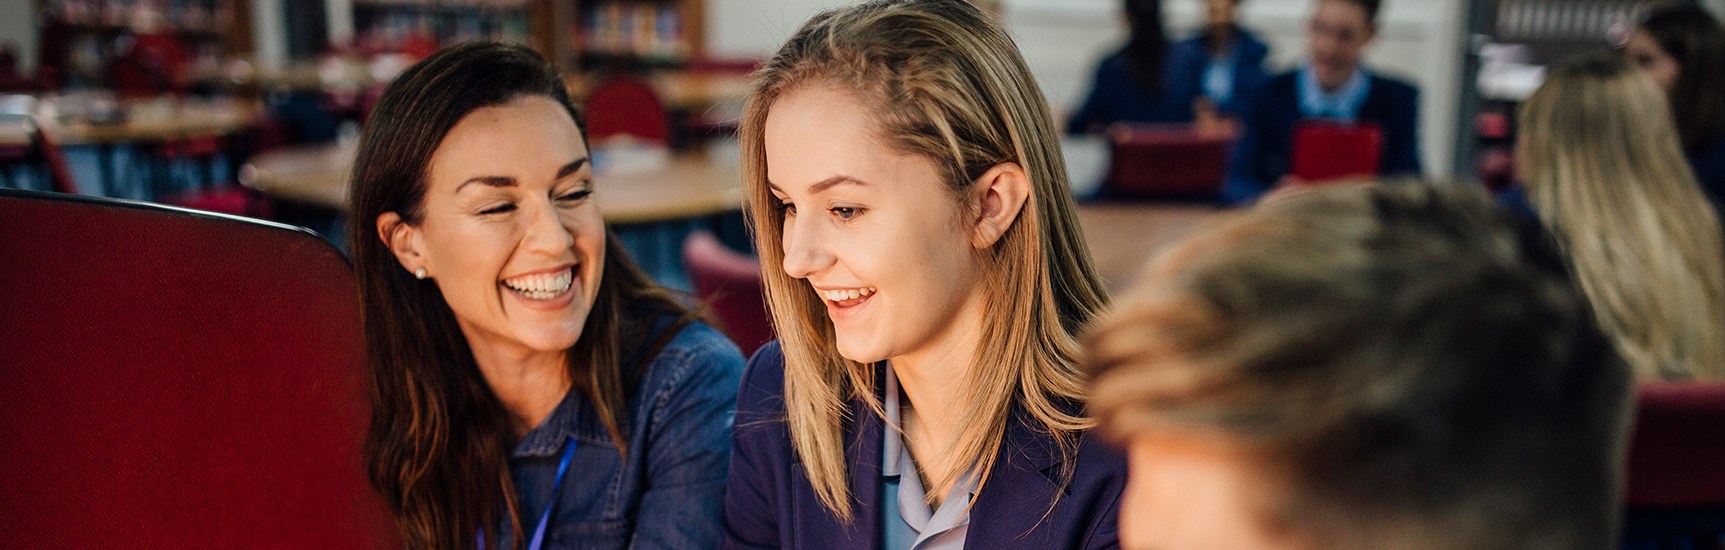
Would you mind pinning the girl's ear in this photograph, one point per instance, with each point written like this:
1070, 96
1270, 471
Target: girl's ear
999, 195
405, 241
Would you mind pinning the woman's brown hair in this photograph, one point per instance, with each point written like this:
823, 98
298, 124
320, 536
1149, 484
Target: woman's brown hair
439, 441
1696, 40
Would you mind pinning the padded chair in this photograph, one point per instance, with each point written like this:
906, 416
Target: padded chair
1324, 151
174, 379
627, 105
1164, 161
730, 283
1676, 485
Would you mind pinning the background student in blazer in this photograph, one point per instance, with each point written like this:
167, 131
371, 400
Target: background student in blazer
1150, 81
526, 376
1682, 47
1332, 85
926, 273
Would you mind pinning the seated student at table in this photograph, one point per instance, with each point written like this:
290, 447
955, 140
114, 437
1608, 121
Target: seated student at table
926, 274
1683, 48
531, 387
1133, 85
1218, 70
1388, 366
1603, 170
1332, 86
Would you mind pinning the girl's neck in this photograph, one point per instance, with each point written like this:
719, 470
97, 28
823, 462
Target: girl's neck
530, 384
935, 381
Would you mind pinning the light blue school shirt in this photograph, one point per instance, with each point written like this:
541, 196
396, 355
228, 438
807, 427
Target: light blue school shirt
1342, 104
906, 522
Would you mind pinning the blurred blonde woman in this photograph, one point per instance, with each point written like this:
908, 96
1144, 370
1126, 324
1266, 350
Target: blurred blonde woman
1605, 172
927, 274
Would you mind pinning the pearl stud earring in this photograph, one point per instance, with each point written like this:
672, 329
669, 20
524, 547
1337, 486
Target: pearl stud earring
420, 273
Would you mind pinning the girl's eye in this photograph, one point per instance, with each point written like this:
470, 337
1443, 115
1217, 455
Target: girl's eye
845, 212
500, 209
575, 195
786, 207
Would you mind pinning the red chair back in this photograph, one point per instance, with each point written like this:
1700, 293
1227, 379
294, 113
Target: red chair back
178, 380
1677, 454
731, 284
627, 105
1164, 161
1324, 151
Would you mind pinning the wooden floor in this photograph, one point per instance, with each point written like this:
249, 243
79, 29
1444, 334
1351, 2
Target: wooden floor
1124, 236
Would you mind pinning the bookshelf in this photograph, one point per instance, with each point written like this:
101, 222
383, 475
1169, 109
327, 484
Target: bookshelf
83, 37
613, 34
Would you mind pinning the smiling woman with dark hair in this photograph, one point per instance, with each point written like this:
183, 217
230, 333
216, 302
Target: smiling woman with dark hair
531, 387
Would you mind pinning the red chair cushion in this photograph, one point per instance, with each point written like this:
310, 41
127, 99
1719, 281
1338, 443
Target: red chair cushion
1162, 160
627, 106
1677, 454
730, 283
1323, 151
175, 380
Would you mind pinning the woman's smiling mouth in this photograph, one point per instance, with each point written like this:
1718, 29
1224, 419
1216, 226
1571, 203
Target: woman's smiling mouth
846, 297
544, 285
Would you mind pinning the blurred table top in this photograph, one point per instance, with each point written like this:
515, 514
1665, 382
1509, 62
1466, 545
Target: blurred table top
1123, 237
145, 121
690, 185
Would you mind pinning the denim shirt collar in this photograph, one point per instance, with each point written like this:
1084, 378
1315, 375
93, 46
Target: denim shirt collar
571, 418
1343, 104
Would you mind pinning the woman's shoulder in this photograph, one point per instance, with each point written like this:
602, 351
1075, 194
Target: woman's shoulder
697, 357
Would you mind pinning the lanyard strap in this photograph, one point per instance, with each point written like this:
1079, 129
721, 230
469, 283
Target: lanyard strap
545, 518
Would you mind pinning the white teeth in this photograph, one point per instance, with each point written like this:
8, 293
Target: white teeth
846, 294
544, 286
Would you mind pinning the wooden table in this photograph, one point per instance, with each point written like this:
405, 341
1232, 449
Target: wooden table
1123, 237
690, 186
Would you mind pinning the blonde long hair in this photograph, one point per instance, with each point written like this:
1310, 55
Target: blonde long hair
948, 85
1605, 171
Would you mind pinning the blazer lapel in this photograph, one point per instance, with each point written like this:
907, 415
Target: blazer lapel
1013, 507
862, 451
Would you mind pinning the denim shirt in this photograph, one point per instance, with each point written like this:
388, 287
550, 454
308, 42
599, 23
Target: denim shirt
669, 491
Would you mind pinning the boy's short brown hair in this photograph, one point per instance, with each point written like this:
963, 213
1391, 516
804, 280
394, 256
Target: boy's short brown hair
1418, 369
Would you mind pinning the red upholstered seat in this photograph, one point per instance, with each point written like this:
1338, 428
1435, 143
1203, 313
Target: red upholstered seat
1165, 161
178, 380
731, 284
627, 105
1327, 151
1677, 457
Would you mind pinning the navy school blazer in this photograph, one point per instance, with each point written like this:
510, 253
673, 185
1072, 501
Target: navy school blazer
769, 502
1264, 152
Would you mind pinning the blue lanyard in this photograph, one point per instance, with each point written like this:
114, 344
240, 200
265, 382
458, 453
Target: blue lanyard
545, 518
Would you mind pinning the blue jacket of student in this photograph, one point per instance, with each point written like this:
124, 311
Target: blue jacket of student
1116, 97
1708, 162
769, 502
1189, 61
667, 491
1265, 149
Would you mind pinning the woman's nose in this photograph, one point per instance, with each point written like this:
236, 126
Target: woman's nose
546, 232
806, 252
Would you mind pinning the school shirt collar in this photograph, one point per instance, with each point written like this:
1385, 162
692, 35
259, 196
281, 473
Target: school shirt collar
1342, 104
898, 466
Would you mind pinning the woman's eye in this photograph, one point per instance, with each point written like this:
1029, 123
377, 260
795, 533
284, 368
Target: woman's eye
499, 209
788, 208
575, 195
845, 212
